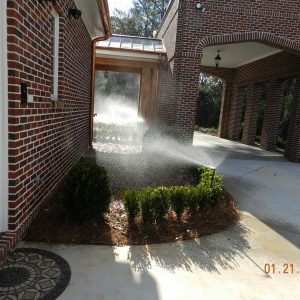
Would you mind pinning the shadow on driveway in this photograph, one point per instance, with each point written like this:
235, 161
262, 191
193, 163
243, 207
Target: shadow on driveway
209, 253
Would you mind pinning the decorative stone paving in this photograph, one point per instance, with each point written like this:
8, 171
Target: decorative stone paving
32, 274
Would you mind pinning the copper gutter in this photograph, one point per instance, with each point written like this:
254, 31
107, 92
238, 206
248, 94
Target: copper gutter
105, 17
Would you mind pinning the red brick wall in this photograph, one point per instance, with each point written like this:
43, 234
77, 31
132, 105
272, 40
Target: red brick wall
45, 138
167, 32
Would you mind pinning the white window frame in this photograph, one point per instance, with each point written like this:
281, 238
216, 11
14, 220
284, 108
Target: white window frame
3, 120
54, 95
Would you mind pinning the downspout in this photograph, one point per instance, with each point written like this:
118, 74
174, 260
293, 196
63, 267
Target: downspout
104, 13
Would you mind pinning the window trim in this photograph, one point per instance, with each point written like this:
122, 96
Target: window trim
55, 49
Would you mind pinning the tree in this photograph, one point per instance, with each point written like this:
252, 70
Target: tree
130, 23
209, 102
141, 20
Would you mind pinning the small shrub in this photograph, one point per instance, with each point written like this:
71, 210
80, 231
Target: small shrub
211, 184
159, 199
177, 200
144, 198
192, 198
131, 204
85, 192
154, 203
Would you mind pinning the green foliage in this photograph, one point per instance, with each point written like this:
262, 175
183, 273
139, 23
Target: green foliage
193, 196
85, 192
209, 102
211, 185
141, 20
144, 197
131, 204
127, 23
154, 203
211, 131
177, 196
289, 89
159, 199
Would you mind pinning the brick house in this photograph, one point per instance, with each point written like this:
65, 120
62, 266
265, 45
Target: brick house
259, 45
46, 58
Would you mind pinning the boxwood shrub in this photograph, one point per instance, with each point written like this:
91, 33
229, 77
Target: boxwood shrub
85, 192
131, 204
154, 203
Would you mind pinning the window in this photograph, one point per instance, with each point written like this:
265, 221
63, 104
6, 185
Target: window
54, 54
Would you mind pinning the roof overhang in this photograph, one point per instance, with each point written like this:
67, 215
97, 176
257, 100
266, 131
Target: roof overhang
237, 55
95, 15
122, 47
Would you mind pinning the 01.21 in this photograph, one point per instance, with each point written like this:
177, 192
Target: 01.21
284, 269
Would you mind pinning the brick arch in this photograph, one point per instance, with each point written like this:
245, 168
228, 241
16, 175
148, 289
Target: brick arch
252, 36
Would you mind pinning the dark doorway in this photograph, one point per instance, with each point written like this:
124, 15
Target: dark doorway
260, 116
289, 86
208, 104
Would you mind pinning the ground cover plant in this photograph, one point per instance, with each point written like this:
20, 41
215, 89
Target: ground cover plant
149, 214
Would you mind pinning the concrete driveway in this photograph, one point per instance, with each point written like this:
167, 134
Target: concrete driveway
228, 265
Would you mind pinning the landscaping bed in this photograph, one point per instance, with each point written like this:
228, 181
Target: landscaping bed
54, 223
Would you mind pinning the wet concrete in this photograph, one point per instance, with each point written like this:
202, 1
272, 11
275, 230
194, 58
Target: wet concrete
264, 184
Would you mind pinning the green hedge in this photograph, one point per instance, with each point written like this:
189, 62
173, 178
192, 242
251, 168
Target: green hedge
85, 192
154, 203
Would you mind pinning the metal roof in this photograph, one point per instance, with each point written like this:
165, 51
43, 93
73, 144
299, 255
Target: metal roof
134, 43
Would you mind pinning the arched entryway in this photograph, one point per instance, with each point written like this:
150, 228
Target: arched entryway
252, 63
256, 67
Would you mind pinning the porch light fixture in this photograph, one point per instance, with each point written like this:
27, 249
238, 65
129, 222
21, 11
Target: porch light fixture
218, 59
75, 13
106, 74
200, 7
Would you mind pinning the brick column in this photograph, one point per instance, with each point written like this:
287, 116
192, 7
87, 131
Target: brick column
273, 109
227, 108
184, 96
292, 150
252, 109
237, 112
223, 116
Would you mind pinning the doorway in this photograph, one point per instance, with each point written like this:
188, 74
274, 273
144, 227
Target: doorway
117, 123
208, 104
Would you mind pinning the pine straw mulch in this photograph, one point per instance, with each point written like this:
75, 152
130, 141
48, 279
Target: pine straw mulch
53, 225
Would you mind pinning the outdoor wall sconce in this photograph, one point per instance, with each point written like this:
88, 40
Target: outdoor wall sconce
218, 59
106, 74
200, 7
75, 13
53, 1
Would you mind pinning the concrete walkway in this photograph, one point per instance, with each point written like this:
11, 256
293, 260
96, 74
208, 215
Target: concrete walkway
229, 265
